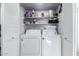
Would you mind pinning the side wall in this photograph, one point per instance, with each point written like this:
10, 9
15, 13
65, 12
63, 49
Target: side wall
66, 29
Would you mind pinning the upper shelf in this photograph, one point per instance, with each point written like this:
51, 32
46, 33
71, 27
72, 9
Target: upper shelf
38, 18
35, 19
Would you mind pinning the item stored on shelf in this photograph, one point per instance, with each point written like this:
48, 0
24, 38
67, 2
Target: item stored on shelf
50, 13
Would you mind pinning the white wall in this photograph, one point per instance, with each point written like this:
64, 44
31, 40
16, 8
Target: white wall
22, 12
66, 29
10, 29
22, 27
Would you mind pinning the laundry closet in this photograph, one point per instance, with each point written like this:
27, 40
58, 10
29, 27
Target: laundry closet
40, 35
37, 29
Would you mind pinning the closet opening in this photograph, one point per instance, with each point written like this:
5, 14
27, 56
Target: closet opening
39, 29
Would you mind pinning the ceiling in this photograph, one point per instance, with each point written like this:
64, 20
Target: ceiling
40, 6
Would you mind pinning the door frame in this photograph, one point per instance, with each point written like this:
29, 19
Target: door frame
75, 28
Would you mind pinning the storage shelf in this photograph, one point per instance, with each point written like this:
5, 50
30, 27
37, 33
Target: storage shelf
38, 26
31, 19
37, 18
43, 24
